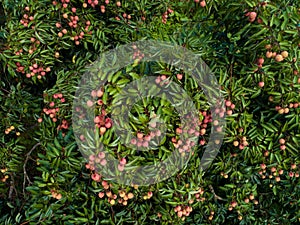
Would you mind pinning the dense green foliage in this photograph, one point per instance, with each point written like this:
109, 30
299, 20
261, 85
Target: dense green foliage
251, 46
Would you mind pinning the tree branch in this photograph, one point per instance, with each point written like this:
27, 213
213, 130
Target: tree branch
12, 187
215, 195
24, 167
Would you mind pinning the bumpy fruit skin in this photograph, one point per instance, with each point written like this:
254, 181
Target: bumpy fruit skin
179, 76
235, 143
282, 147
260, 61
252, 16
269, 54
268, 46
89, 103
261, 84
281, 111
284, 54
140, 135
229, 112
102, 130
279, 58
202, 3
263, 166
281, 141
259, 20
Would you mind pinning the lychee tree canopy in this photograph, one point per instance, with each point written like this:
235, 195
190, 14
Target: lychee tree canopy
45, 48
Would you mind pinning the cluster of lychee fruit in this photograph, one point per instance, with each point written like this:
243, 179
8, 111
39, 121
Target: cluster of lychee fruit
184, 146
292, 172
19, 52
73, 20
64, 125
102, 121
260, 62
36, 70
282, 110
211, 216
20, 68
59, 96
88, 24
65, 3
122, 164
106, 185
230, 107
77, 38
113, 198
102, 7
26, 18
94, 160
273, 173
126, 16
137, 54
251, 198
52, 110
10, 129
93, 3
5, 177
162, 80
199, 195
223, 174
183, 210
277, 56
62, 31
142, 140
242, 143
251, 16
195, 128
55, 194
282, 143
148, 195
165, 15
34, 45
232, 205
285, 109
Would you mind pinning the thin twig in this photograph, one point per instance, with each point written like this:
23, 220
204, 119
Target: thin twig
215, 195
11, 189
5, 90
24, 167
